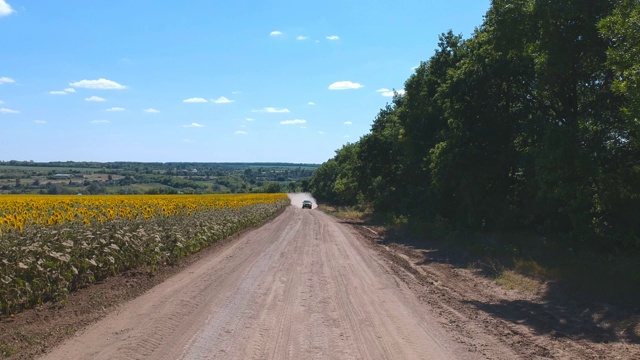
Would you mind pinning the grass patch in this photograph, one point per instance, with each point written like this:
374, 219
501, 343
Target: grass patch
345, 212
513, 280
6, 350
613, 278
26, 338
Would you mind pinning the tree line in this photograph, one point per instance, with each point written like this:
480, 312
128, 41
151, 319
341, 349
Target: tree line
530, 124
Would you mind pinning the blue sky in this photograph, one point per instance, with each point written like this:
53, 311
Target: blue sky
207, 81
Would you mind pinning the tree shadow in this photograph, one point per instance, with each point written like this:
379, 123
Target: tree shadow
561, 311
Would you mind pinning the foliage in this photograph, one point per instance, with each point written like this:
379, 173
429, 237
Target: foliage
530, 124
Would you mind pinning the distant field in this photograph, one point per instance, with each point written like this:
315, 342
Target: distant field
57, 169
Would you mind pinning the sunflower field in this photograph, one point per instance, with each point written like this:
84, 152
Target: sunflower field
52, 245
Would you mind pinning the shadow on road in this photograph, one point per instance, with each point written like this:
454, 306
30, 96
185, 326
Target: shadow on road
559, 312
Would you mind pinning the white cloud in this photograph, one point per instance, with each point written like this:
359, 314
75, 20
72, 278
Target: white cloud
390, 93
333, 37
311, 103
116, 109
272, 110
302, 37
151, 111
348, 123
6, 80
415, 67
95, 98
222, 100
195, 125
99, 121
347, 136
195, 100
250, 119
100, 84
240, 132
293, 122
236, 92
383, 90
63, 92
40, 122
321, 132
275, 33
303, 127
8, 111
5, 9
344, 85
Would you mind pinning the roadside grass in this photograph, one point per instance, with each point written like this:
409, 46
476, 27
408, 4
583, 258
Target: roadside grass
345, 212
516, 257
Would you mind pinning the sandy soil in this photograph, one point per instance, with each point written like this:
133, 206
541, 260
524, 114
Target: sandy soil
300, 287
306, 286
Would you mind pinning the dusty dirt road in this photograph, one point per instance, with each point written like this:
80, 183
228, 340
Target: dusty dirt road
301, 287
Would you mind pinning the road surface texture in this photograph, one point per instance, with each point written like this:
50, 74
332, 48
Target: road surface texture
306, 286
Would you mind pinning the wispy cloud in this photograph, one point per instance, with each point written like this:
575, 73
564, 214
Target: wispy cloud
383, 90
345, 85
6, 80
311, 103
194, 125
115, 109
1, 102
222, 100
348, 123
5, 9
390, 93
240, 132
195, 100
275, 33
236, 92
293, 122
40, 122
151, 111
250, 119
272, 110
100, 84
63, 92
301, 37
321, 132
333, 37
99, 121
95, 98
8, 111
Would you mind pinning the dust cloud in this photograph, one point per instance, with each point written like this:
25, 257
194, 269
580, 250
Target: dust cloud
298, 198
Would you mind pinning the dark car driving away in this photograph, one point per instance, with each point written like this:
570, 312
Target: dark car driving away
306, 204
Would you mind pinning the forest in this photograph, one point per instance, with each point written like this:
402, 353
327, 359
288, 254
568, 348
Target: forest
529, 125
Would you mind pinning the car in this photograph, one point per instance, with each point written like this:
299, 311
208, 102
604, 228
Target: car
307, 204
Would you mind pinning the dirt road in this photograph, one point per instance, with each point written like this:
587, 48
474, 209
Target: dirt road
300, 287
